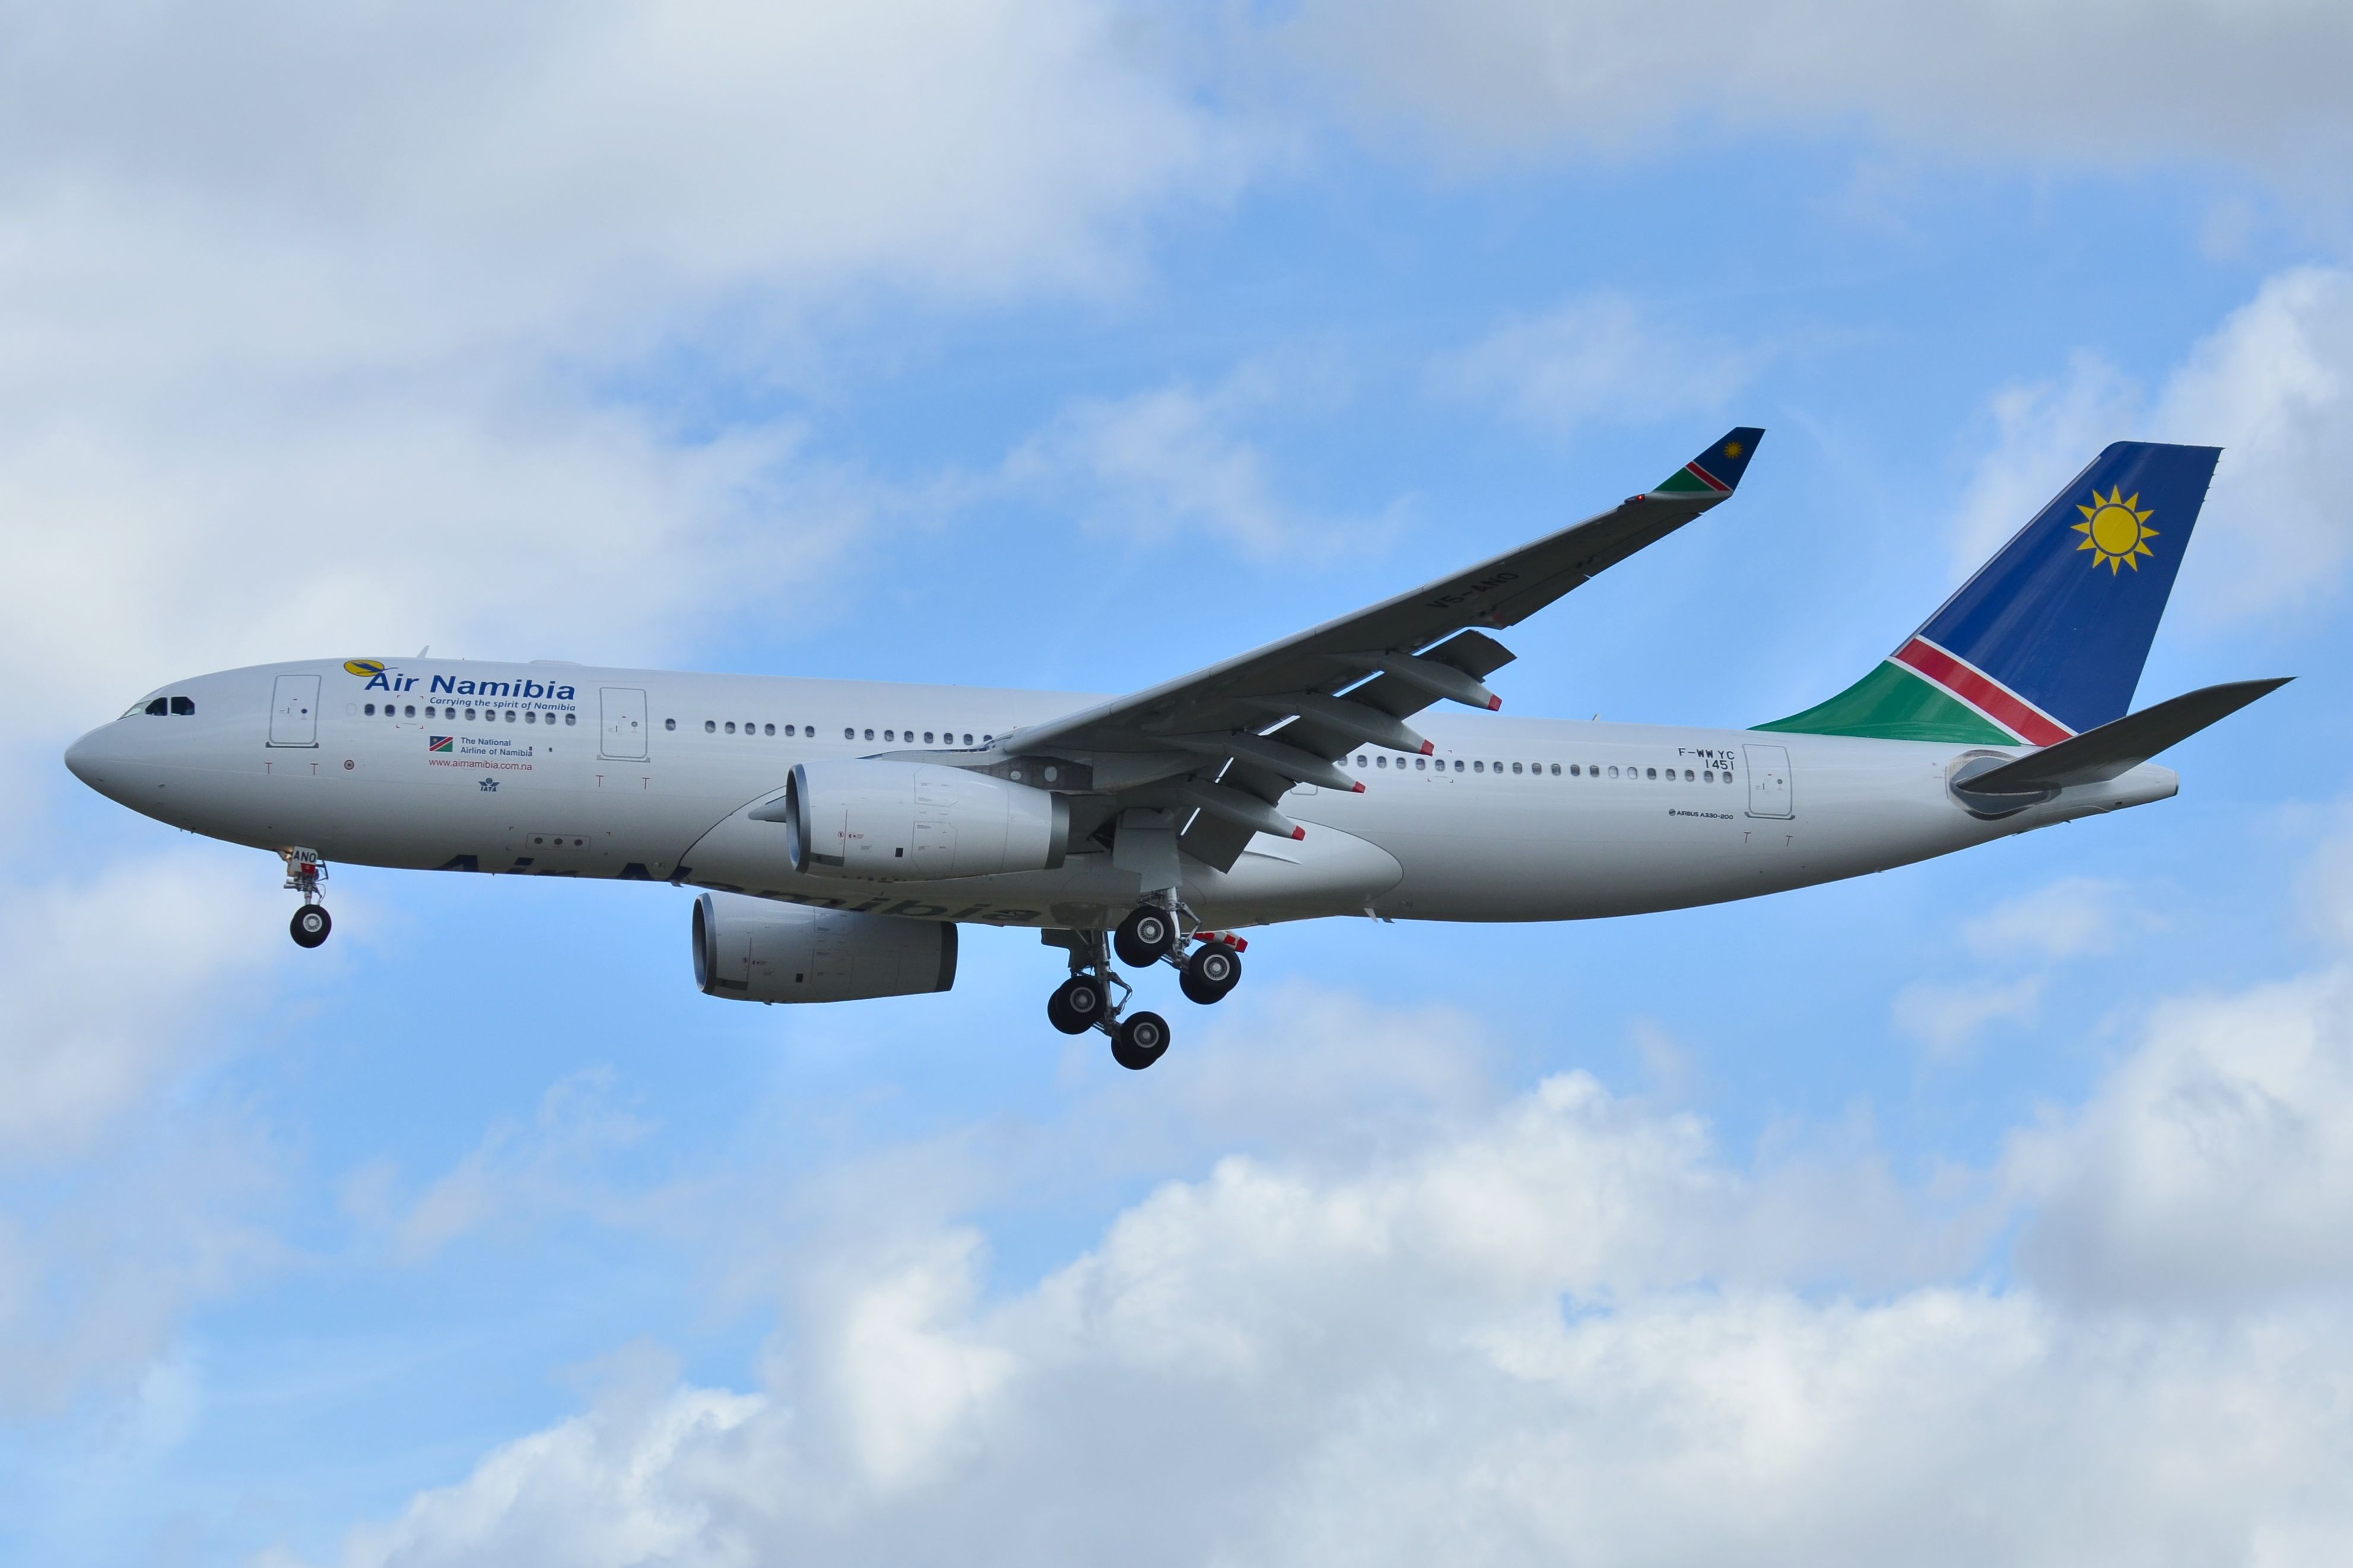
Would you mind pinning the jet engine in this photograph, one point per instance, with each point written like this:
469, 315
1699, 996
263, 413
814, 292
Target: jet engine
756, 950
912, 822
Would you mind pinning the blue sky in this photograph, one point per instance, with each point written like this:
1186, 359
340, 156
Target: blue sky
1074, 345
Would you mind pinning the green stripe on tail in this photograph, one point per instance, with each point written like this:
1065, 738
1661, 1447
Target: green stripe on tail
1892, 703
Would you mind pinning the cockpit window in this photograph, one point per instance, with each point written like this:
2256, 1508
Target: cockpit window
158, 706
183, 705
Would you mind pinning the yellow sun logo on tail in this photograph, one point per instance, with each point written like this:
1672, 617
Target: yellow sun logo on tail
2115, 530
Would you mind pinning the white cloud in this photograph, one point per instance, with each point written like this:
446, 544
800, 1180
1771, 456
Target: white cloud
96, 1271
2215, 1165
516, 1174
2020, 944
306, 310
1599, 357
1175, 460
2044, 434
105, 983
1525, 1338
2066, 919
1947, 1017
1559, 1324
2271, 385
2106, 81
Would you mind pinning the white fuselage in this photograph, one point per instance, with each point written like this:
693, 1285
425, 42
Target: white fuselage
636, 774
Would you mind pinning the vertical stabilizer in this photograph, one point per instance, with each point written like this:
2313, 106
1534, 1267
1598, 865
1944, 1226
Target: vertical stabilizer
2048, 639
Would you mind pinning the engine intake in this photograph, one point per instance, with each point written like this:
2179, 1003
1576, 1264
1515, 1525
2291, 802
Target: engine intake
913, 821
756, 950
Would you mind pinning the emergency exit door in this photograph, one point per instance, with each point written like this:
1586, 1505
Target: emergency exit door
624, 733
294, 711
1768, 782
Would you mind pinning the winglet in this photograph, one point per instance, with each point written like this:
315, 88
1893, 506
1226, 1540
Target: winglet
1717, 470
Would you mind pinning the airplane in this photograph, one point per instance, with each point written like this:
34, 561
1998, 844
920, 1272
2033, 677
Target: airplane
837, 833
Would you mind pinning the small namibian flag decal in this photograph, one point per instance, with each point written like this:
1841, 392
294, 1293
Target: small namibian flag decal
440, 743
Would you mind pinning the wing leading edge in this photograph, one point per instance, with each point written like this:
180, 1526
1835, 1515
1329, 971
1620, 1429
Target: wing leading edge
1222, 746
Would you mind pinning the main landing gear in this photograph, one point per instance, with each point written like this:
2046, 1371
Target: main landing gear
1150, 935
311, 922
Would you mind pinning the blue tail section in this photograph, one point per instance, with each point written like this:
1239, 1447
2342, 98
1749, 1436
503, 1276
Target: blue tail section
2063, 616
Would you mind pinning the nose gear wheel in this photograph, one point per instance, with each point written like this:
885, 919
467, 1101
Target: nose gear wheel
304, 872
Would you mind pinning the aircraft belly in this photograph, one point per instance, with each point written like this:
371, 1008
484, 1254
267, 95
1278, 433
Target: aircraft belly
1331, 873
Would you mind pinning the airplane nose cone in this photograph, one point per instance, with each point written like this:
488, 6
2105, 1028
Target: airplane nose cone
81, 759
99, 760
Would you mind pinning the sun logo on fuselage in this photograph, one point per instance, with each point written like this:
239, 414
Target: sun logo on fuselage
363, 668
2115, 531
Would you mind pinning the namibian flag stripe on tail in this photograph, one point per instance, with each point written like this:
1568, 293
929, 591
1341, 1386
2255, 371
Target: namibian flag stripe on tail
2048, 639
1983, 692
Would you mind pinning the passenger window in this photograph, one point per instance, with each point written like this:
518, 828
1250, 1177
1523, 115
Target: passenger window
412, 713
870, 734
890, 735
1687, 775
1516, 768
469, 713
1613, 773
1653, 772
967, 740
1707, 776
510, 716
158, 708
669, 723
1457, 765
767, 729
1479, 767
570, 718
1420, 764
1382, 761
1574, 771
529, 715
711, 726
849, 734
1363, 762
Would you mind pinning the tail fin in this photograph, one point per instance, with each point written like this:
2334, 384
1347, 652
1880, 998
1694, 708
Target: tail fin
2048, 639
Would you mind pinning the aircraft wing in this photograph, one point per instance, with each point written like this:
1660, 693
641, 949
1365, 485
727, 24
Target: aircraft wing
1233, 739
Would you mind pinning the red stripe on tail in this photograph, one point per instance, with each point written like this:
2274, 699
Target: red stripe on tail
1983, 692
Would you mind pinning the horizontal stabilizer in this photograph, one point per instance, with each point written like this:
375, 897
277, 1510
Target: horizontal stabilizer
2098, 755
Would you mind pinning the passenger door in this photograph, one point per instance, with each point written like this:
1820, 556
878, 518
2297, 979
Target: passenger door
624, 733
294, 711
1768, 782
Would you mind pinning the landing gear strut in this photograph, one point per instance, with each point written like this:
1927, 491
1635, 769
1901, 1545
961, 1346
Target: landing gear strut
1085, 1000
311, 922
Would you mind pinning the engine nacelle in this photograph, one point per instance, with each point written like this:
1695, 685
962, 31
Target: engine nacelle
913, 821
756, 950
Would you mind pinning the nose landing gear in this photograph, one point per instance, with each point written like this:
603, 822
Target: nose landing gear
304, 872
